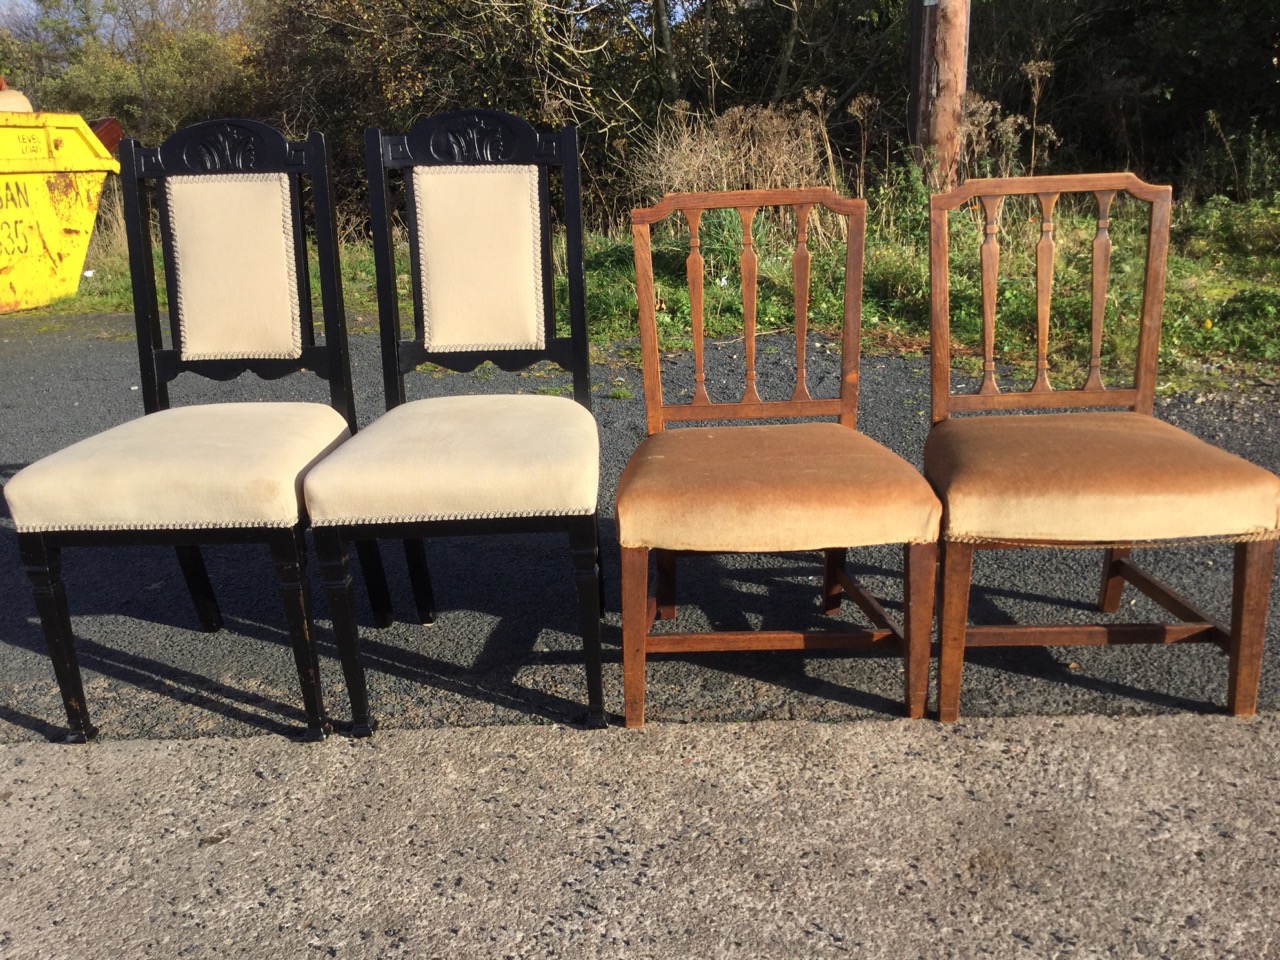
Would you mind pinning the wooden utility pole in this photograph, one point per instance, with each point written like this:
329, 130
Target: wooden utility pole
662, 38
939, 69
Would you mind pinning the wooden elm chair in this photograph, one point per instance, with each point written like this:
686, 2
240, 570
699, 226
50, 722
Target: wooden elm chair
1099, 470
477, 187
733, 487
233, 231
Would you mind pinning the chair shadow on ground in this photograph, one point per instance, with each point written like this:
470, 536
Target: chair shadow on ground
780, 595
1038, 663
784, 595
523, 584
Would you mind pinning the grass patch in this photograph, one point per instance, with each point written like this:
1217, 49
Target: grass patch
1222, 305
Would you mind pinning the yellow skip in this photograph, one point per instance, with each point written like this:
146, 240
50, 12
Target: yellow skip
51, 173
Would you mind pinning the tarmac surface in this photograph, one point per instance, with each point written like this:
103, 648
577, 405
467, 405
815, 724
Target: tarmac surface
1090, 804
1081, 837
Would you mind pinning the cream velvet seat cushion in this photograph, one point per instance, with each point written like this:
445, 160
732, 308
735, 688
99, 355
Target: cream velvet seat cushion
1093, 477
767, 488
216, 465
462, 458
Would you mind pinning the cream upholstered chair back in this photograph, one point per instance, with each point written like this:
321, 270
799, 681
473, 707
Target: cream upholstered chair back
477, 187
241, 226
477, 237
235, 201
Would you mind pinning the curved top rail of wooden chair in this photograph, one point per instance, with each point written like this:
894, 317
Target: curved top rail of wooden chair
729, 199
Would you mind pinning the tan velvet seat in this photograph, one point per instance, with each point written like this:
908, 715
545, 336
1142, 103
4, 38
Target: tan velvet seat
1107, 474
462, 458
771, 488
476, 188
210, 466
236, 203
1093, 477
744, 487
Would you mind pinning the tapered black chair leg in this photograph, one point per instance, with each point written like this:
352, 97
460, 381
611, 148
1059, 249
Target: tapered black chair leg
424, 597
289, 558
201, 590
583, 544
340, 596
599, 565
44, 568
375, 582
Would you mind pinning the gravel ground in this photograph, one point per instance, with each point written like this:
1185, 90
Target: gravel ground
505, 648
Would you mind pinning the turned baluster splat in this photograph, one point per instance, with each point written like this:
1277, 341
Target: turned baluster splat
695, 270
1044, 290
746, 206
1042, 395
990, 272
800, 277
749, 282
1101, 273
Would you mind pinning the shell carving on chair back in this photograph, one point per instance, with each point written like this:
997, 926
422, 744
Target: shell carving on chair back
224, 146
473, 138
228, 148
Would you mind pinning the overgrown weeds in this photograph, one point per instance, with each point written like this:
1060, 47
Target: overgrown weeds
106, 286
743, 148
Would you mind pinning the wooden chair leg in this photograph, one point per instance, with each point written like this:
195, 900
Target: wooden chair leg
832, 567
635, 626
1112, 581
919, 590
201, 590
665, 583
957, 578
340, 596
1250, 598
375, 582
289, 559
44, 568
424, 598
586, 577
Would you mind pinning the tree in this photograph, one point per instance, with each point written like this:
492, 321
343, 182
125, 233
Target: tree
154, 64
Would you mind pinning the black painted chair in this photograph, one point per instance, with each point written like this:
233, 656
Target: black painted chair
228, 194
477, 186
